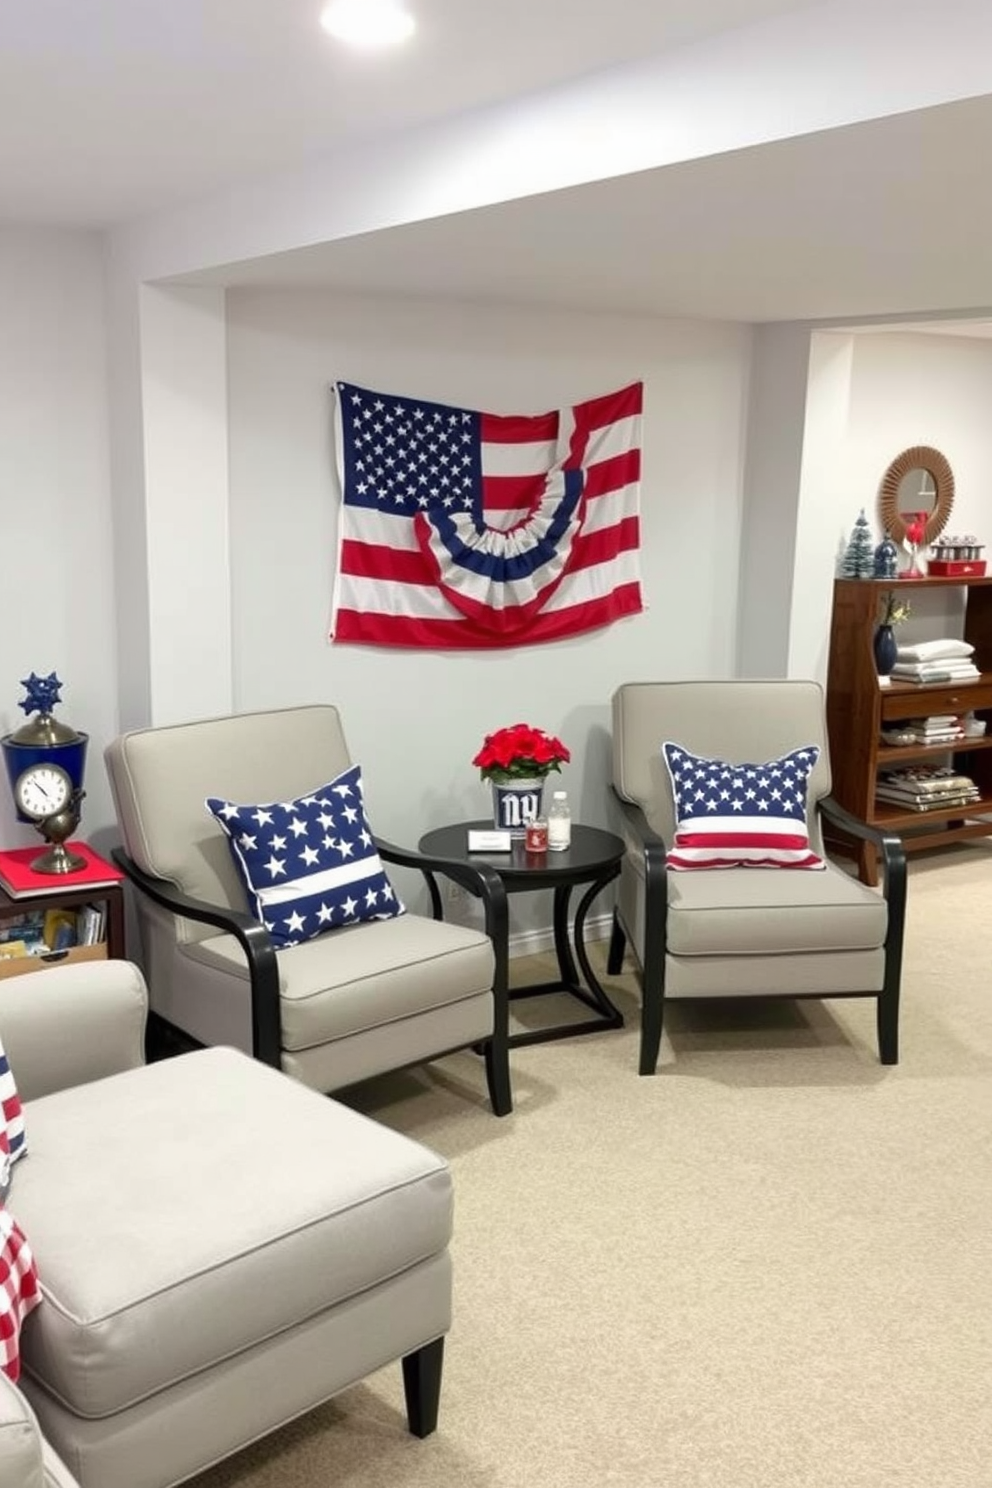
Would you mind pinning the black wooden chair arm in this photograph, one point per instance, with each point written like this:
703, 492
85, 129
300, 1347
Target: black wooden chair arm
483, 882
254, 939
478, 879
651, 844
841, 817
893, 857
888, 845
655, 948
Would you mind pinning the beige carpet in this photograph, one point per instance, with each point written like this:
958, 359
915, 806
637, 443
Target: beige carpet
768, 1267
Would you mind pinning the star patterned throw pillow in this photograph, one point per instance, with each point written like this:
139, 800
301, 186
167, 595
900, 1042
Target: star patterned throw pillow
740, 816
309, 865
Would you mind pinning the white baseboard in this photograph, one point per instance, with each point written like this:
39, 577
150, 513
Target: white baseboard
532, 942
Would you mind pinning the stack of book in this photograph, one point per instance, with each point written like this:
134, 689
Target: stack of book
40, 932
926, 788
938, 728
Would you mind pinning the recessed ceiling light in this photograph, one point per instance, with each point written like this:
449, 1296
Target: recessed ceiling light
368, 23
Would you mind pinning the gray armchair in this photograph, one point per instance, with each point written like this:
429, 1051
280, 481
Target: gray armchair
744, 932
352, 1003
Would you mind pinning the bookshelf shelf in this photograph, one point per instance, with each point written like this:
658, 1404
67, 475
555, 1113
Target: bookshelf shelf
891, 756
888, 815
859, 706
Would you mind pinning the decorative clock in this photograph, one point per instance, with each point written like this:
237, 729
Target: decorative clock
45, 794
45, 761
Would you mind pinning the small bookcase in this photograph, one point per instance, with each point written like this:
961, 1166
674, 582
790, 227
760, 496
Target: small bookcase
94, 895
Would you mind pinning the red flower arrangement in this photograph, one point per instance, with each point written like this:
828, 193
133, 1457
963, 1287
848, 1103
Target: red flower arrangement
520, 753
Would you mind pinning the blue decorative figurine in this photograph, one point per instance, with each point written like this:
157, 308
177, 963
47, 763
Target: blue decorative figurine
886, 559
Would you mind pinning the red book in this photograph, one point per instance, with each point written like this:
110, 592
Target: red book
19, 880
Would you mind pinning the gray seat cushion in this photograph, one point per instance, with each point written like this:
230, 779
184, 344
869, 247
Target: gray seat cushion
772, 911
170, 1237
365, 975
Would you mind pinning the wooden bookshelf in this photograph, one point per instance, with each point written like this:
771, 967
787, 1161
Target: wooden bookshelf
859, 706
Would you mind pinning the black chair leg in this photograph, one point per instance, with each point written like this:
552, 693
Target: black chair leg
652, 994
498, 1076
888, 1027
652, 1018
618, 944
888, 1001
422, 1387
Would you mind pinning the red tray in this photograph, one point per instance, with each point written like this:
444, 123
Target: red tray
953, 568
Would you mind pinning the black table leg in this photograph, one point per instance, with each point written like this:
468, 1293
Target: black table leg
598, 996
592, 994
566, 964
497, 1049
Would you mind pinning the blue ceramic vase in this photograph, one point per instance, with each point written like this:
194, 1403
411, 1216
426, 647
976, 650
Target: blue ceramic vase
885, 650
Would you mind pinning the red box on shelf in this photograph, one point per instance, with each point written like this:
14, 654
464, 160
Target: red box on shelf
953, 568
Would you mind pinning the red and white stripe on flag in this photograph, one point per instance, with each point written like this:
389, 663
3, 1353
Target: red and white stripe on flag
472, 530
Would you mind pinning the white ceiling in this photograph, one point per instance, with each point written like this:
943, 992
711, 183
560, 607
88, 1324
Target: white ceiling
886, 218
115, 110
112, 109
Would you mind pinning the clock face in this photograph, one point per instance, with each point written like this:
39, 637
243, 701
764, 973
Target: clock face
41, 790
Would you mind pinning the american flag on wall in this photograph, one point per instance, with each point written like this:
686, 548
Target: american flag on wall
467, 529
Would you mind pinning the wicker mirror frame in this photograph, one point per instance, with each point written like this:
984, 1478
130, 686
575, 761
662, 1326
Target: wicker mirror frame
919, 457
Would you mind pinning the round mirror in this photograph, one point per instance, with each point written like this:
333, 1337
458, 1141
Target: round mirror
917, 493
918, 482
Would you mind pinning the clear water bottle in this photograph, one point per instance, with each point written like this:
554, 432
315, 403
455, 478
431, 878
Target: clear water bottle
559, 823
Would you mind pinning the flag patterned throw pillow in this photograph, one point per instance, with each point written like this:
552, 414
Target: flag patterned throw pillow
740, 816
19, 1290
12, 1141
309, 865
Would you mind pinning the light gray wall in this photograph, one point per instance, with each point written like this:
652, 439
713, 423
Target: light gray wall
932, 389
713, 581
873, 394
773, 463
415, 719
56, 579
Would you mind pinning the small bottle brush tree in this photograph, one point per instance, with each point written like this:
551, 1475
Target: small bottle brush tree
859, 556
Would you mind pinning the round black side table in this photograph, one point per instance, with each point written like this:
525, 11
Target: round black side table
593, 858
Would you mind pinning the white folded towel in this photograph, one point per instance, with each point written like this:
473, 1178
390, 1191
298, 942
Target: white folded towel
936, 670
941, 650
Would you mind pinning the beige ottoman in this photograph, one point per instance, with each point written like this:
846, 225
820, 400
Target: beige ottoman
220, 1249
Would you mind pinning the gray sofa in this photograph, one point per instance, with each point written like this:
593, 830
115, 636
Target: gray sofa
220, 1248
